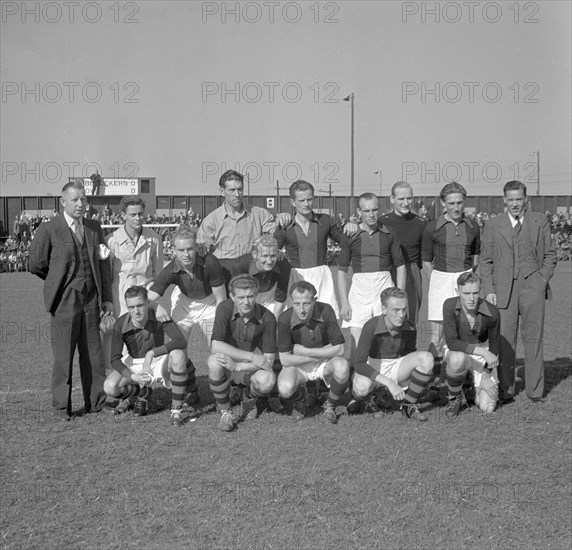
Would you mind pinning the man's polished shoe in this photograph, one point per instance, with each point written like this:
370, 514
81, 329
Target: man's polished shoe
538, 400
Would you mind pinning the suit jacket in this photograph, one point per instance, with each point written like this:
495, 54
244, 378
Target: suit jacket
497, 257
52, 258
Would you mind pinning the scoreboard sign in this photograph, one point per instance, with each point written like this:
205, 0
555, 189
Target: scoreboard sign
113, 186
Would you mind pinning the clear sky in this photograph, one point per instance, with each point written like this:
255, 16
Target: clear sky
182, 91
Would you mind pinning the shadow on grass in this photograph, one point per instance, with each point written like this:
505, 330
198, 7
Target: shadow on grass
555, 372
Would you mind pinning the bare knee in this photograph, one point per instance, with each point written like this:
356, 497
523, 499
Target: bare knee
286, 384
341, 368
361, 386
214, 367
111, 388
177, 361
456, 362
263, 382
425, 362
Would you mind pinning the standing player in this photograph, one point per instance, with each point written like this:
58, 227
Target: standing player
243, 350
472, 337
136, 254
518, 261
451, 246
306, 241
409, 228
231, 229
311, 347
372, 252
386, 356
149, 359
200, 288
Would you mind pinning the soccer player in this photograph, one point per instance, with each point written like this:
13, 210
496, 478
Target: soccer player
136, 254
200, 288
149, 359
386, 356
243, 349
472, 336
451, 246
230, 230
408, 227
311, 347
306, 242
518, 261
271, 273
372, 252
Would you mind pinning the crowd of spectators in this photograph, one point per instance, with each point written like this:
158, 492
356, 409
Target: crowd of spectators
14, 251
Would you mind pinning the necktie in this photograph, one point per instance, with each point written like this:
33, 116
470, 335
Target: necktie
78, 230
517, 227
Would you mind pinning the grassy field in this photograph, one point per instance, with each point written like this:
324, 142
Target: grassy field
501, 481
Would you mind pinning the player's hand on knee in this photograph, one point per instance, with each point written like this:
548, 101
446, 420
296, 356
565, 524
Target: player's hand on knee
397, 392
141, 379
225, 362
491, 359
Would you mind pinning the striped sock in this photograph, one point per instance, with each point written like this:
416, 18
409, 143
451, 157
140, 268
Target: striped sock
417, 384
298, 394
221, 390
437, 366
129, 390
191, 386
455, 384
337, 390
178, 384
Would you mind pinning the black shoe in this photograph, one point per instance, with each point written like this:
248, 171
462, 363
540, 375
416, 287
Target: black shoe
373, 408
140, 407
539, 400
106, 409
234, 396
412, 412
299, 408
505, 398
355, 407
249, 407
454, 407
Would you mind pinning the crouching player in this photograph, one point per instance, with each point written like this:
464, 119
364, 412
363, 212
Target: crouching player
243, 348
311, 347
200, 288
470, 322
386, 356
148, 358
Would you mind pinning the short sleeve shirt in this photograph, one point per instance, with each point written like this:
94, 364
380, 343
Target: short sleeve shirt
259, 331
321, 329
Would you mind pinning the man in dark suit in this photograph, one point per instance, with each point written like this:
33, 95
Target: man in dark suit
517, 261
66, 252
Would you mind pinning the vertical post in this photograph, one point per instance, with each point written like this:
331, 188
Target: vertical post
277, 197
537, 173
352, 188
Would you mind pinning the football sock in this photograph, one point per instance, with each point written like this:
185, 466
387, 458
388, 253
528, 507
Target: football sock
129, 390
455, 384
337, 390
298, 395
221, 390
178, 384
191, 386
417, 384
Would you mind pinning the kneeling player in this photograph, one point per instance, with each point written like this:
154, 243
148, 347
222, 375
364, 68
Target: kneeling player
243, 348
200, 288
311, 346
148, 358
470, 322
386, 356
